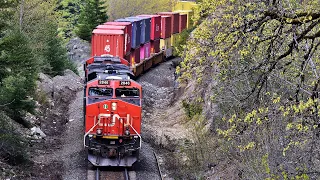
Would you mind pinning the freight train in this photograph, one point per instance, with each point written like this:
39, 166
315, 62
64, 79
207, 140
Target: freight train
122, 50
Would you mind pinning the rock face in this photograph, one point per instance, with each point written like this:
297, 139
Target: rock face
56, 95
162, 119
45, 84
79, 51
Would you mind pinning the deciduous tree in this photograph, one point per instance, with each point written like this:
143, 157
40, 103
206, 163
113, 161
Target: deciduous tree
125, 8
264, 57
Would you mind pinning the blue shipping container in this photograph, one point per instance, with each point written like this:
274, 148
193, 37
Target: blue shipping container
145, 28
136, 31
147, 23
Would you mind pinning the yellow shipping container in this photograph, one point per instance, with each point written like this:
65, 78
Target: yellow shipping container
165, 43
174, 39
189, 17
184, 5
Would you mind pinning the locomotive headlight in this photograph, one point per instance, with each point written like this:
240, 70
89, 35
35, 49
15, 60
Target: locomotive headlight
127, 131
114, 106
99, 131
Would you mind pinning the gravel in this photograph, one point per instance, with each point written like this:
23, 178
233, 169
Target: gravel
73, 154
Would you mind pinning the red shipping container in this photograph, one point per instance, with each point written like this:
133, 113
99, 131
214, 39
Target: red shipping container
127, 34
165, 27
174, 20
107, 42
183, 22
135, 56
155, 46
129, 28
155, 26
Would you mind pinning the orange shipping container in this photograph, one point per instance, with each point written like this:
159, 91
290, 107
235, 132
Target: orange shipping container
110, 42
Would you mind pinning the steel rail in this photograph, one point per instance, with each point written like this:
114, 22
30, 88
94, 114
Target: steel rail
158, 165
97, 174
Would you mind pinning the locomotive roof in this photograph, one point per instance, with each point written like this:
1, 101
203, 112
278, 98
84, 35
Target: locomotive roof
106, 58
99, 66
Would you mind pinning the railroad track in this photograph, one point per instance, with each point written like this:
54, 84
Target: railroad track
111, 174
158, 165
117, 173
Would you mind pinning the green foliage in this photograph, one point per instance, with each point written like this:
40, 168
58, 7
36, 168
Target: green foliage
19, 73
93, 13
263, 58
12, 147
182, 41
191, 109
136, 7
6, 12
55, 54
196, 154
69, 11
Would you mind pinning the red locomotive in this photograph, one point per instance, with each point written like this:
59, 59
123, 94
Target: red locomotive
112, 113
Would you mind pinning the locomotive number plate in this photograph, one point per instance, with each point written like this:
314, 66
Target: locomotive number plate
125, 83
103, 82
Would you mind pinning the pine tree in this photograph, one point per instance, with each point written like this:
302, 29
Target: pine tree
69, 11
19, 75
92, 14
54, 53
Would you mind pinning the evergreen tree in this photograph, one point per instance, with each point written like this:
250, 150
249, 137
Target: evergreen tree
69, 11
19, 74
92, 14
6, 12
54, 53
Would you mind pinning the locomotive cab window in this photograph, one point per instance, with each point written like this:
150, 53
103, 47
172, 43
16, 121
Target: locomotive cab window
96, 91
127, 92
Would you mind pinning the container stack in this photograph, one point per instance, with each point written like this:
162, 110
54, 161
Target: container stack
186, 7
155, 32
165, 32
174, 25
145, 46
189, 15
136, 25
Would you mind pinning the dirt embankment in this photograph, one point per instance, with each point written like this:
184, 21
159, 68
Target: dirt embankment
47, 153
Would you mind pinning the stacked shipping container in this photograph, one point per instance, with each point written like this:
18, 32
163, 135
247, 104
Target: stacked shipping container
136, 38
175, 21
144, 36
155, 32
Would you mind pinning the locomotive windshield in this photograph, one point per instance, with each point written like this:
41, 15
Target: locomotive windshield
96, 91
127, 92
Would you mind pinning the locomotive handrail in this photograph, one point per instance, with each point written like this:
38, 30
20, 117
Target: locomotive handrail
137, 134
85, 135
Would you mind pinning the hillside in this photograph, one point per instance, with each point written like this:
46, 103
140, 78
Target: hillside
253, 70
